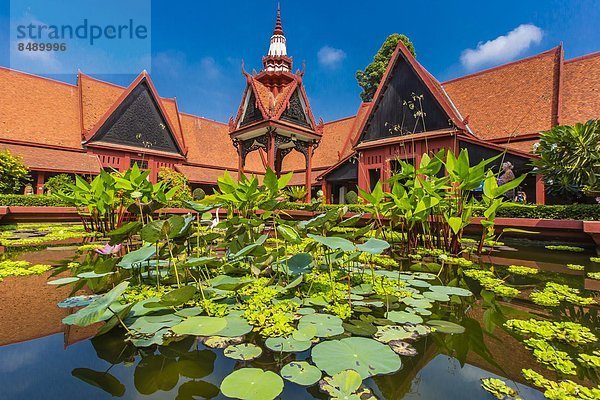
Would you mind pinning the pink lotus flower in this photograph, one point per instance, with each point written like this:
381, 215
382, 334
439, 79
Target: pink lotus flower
108, 249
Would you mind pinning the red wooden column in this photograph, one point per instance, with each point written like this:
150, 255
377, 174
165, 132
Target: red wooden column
39, 184
309, 172
326, 189
239, 147
363, 174
271, 149
540, 189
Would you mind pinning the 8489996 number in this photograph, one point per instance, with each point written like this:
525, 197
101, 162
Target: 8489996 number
33, 46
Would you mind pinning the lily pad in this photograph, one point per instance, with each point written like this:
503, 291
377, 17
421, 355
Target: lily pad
200, 326
403, 317
451, 290
326, 325
417, 303
388, 333
244, 351
366, 356
301, 372
252, 384
220, 342
343, 385
150, 324
402, 348
77, 301
308, 332
436, 296
287, 344
236, 326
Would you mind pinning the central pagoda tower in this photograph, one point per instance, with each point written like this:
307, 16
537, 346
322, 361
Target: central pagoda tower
274, 116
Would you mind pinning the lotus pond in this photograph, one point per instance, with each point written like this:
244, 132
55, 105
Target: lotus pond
254, 305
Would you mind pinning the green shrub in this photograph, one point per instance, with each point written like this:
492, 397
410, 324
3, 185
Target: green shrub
13, 173
58, 183
30, 201
175, 180
584, 212
351, 197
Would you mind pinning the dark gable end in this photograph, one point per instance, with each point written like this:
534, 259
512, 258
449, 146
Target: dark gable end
138, 122
251, 112
296, 112
405, 105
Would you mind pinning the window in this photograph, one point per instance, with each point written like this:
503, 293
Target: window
142, 164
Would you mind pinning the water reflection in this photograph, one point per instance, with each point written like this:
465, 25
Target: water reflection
447, 367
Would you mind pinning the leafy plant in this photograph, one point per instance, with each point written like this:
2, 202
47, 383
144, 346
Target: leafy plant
296, 193
58, 183
569, 158
13, 173
351, 197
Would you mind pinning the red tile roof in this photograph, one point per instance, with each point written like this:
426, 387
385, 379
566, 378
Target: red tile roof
54, 160
200, 174
512, 99
580, 95
38, 110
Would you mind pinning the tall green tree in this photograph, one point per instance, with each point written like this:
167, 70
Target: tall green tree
369, 79
570, 159
13, 173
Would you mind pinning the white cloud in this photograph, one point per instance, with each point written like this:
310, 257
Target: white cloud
502, 49
331, 57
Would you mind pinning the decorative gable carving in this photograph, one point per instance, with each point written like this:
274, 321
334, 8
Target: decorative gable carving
252, 113
406, 105
138, 122
295, 111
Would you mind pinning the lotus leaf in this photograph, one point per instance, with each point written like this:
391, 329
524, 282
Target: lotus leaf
402, 348
366, 356
200, 326
446, 326
301, 373
345, 385
436, 296
243, 351
388, 333
64, 281
403, 317
95, 311
77, 301
334, 243
287, 344
327, 325
451, 290
252, 384
373, 246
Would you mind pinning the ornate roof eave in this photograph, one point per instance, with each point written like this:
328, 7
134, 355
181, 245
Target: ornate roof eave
132, 149
276, 124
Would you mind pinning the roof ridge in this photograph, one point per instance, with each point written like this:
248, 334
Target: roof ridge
583, 57
200, 117
484, 71
37, 76
333, 121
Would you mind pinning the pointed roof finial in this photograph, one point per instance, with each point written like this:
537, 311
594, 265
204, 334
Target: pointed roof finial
278, 27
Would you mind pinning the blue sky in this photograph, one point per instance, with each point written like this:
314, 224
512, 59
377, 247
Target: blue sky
197, 46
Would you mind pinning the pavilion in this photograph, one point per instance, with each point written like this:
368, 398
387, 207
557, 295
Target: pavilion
92, 125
